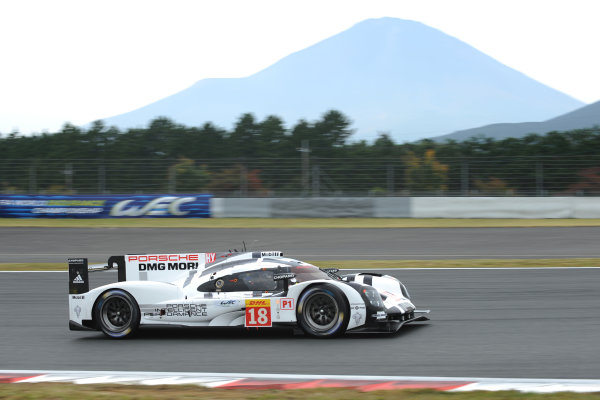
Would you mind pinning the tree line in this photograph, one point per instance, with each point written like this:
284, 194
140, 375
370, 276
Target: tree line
252, 156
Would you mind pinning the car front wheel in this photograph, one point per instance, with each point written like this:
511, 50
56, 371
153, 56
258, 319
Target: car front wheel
322, 311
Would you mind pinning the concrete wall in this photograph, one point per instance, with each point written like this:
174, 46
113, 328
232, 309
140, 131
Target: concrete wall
407, 207
311, 207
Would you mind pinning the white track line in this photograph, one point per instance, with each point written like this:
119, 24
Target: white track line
394, 269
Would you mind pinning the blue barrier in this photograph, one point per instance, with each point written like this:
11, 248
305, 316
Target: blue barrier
106, 206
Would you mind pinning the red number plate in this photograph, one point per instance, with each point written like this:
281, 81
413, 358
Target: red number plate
258, 312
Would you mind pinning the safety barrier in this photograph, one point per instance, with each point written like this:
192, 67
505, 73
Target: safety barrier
203, 206
408, 207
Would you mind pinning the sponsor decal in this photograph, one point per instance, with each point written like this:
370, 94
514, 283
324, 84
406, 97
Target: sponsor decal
258, 302
75, 260
210, 258
163, 257
77, 311
26, 203
357, 317
358, 306
330, 270
78, 297
63, 210
166, 205
287, 304
380, 315
229, 303
167, 266
186, 310
258, 313
78, 279
282, 276
271, 253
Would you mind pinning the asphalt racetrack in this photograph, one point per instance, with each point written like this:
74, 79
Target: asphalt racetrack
57, 244
513, 323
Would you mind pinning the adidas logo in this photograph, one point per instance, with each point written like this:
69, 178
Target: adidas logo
78, 279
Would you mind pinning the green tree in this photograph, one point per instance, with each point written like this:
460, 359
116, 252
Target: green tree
244, 141
425, 174
188, 177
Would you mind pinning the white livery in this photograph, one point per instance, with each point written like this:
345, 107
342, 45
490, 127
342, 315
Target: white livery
257, 289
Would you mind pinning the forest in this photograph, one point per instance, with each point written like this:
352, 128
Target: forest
316, 158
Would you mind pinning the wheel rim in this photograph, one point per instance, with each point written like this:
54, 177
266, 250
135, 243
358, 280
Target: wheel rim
321, 312
116, 314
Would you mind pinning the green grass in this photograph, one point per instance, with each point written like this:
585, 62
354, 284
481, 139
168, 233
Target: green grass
68, 391
293, 223
375, 264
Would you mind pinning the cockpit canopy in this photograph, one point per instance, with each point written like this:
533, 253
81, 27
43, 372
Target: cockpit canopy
258, 277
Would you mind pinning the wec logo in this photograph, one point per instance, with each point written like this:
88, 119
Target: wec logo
167, 205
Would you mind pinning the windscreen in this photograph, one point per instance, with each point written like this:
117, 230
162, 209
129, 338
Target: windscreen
307, 272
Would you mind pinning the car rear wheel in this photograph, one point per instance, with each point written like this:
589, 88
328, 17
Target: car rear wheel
322, 311
118, 314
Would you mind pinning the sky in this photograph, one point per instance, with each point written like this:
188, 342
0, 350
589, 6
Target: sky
79, 61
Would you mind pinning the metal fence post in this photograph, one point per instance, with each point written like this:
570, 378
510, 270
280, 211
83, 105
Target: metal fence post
32, 180
539, 178
243, 181
172, 179
101, 179
69, 176
464, 178
390, 179
316, 181
305, 150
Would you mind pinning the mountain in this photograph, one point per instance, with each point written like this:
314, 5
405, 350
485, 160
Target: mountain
388, 75
584, 117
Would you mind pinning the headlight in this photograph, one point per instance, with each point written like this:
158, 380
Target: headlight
373, 297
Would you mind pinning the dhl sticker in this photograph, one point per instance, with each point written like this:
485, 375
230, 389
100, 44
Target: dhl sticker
258, 302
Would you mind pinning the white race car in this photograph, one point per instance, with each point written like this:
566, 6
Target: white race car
244, 289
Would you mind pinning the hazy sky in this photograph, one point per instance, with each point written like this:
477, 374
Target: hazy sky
84, 60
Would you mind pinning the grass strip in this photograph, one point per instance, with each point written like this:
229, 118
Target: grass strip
69, 391
295, 223
376, 264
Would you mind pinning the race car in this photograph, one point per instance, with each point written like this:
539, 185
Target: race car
252, 289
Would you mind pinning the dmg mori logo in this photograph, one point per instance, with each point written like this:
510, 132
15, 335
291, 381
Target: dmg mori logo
167, 205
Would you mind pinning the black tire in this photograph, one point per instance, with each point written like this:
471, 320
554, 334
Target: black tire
323, 311
117, 314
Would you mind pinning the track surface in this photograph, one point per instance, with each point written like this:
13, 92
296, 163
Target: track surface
57, 244
485, 323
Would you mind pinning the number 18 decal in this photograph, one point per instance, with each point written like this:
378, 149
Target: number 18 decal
258, 312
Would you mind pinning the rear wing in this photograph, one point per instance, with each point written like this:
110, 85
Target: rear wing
78, 276
154, 267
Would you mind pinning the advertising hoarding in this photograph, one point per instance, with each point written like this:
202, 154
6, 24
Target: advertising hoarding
105, 206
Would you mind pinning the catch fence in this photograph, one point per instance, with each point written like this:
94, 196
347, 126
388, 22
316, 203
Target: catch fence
308, 176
